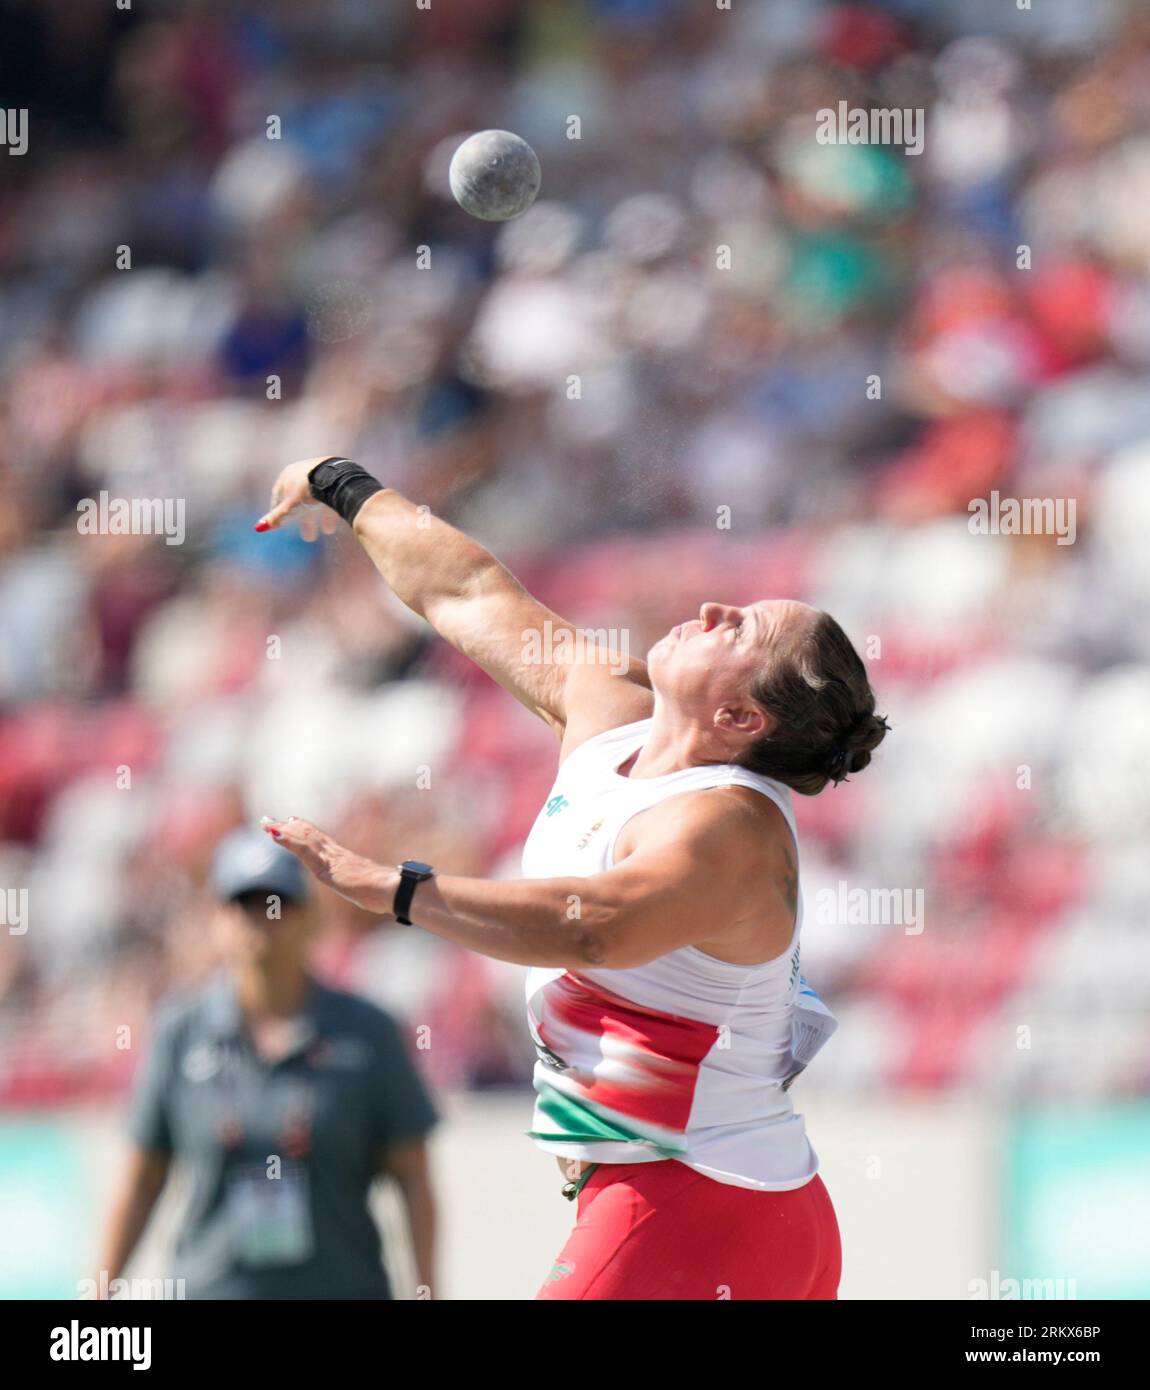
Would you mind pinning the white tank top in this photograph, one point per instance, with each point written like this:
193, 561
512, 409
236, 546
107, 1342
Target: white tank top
683, 1057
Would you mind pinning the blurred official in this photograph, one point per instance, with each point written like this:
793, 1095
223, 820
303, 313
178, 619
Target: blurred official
284, 1100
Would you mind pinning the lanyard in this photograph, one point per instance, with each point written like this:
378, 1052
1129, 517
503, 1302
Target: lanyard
237, 1077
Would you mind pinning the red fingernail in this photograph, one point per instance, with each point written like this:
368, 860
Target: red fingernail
261, 526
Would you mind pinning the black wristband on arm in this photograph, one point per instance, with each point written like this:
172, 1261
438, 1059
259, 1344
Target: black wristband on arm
343, 486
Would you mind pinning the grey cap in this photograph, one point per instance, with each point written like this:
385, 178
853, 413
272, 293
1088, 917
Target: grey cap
248, 860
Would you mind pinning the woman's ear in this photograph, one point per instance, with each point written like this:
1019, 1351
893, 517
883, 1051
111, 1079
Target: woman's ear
746, 718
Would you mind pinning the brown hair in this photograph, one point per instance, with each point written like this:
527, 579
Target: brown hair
816, 686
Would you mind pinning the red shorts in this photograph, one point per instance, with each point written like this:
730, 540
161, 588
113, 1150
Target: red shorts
662, 1231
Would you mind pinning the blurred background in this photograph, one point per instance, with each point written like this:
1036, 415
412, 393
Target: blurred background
228, 245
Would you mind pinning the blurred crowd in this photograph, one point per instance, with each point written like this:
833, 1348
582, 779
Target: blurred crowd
717, 360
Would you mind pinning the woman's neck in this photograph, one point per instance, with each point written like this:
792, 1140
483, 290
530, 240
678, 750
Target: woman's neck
672, 745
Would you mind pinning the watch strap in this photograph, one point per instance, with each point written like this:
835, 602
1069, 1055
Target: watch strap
409, 881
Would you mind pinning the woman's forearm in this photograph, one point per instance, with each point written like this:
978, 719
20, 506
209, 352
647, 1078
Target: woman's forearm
424, 559
554, 921
567, 921
422, 1223
131, 1212
448, 579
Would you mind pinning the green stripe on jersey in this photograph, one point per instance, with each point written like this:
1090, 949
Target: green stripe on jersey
578, 1123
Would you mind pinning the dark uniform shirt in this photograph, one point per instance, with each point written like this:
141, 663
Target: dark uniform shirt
281, 1155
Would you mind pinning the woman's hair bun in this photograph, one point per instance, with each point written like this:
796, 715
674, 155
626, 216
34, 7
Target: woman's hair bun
851, 751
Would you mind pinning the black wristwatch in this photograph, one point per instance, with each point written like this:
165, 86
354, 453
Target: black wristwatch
411, 874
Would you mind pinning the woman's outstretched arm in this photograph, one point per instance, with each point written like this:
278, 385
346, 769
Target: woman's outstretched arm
697, 863
470, 598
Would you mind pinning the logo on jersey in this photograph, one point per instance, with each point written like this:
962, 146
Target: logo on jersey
201, 1062
544, 1053
556, 803
599, 824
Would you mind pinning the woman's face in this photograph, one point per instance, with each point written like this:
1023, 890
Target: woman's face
259, 927
714, 661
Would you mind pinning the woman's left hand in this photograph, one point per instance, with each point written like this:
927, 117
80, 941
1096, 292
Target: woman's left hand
291, 494
367, 884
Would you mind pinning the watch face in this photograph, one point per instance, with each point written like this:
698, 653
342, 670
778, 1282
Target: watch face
413, 866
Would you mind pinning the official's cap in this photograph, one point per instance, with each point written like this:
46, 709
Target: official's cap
248, 861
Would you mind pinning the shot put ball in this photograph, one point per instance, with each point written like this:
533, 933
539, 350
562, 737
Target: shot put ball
494, 175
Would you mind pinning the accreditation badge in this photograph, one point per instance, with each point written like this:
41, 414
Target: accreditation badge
270, 1217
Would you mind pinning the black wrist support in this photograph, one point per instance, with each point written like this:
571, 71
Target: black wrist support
343, 486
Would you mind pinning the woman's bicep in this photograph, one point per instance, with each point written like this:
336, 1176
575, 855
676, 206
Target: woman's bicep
673, 885
513, 638
569, 676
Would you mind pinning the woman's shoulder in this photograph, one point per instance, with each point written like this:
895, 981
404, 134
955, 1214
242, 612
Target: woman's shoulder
601, 699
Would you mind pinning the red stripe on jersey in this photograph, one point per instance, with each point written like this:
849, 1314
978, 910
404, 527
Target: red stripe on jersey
661, 1052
